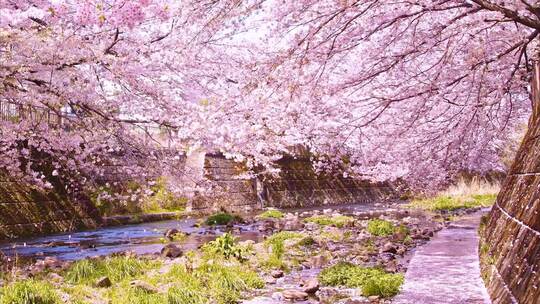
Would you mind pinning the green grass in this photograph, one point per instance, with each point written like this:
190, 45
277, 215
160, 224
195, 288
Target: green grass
226, 246
272, 213
385, 285
277, 243
225, 284
29, 291
452, 203
221, 218
372, 281
380, 227
324, 220
117, 268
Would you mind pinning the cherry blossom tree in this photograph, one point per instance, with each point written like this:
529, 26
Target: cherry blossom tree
94, 84
419, 90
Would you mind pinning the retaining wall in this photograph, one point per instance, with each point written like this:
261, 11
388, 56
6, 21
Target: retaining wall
297, 185
26, 211
512, 235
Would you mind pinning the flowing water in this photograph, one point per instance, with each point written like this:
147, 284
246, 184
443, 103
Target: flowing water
142, 238
146, 238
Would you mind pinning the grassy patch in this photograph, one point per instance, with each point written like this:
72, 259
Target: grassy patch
380, 227
117, 268
373, 281
452, 203
226, 246
29, 291
385, 285
272, 213
163, 200
277, 243
324, 220
222, 218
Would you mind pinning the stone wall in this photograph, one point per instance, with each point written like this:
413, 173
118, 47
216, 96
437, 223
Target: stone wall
25, 211
297, 186
512, 236
228, 189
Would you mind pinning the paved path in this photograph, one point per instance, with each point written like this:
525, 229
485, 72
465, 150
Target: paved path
447, 270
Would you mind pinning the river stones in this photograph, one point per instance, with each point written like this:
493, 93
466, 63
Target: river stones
318, 261
142, 285
103, 282
294, 295
171, 251
389, 247
276, 274
311, 286
170, 233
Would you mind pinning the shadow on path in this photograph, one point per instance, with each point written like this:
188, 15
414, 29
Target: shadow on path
447, 270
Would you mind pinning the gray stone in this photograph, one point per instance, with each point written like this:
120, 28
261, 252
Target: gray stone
295, 295
276, 274
311, 286
170, 233
389, 247
171, 251
146, 287
103, 282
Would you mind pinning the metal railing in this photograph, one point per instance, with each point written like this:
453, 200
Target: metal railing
14, 112
63, 119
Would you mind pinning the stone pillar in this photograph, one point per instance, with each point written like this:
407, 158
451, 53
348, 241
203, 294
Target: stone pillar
193, 174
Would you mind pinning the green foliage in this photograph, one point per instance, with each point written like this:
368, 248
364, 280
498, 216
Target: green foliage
222, 218
452, 203
307, 241
162, 200
117, 268
186, 295
380, 227
277, 241
272, 213
339, 221
402, 234
226, 246
384, 285
130, 295
373, 281
347, 274
226, 283
29, 291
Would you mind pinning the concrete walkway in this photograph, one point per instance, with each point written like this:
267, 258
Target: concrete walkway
447, 270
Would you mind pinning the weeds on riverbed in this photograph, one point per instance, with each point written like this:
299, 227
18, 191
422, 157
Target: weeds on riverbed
29, 291
380, 227
452, 203
272, 213
277, 244
211, 281
373, 281
226, 246
222, 218
385, 285
339, 221
463, 195
116, 268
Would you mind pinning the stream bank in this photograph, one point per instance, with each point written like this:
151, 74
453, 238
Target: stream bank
308, 241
